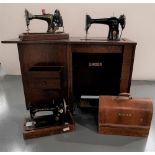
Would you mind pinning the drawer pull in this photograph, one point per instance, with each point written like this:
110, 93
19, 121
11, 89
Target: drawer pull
44, 83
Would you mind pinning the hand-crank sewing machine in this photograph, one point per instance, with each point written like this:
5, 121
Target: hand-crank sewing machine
54, 21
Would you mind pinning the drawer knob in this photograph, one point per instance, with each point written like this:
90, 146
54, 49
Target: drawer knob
44, 83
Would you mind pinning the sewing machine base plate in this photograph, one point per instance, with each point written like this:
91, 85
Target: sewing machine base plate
43, 36
32, 131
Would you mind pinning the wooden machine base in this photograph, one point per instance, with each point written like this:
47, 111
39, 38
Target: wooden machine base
43, 36
30, 131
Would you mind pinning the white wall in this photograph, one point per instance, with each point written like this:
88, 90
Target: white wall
140, 27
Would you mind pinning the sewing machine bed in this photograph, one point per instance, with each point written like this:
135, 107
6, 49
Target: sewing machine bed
46, 128
43, 36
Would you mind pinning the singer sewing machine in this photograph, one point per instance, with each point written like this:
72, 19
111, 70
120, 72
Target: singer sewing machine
54, 21
112, 22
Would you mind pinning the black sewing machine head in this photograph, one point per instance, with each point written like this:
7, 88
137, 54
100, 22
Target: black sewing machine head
57, 112
112, 22
54, 21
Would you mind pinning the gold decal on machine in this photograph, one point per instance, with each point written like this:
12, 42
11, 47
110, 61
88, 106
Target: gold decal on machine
95, 64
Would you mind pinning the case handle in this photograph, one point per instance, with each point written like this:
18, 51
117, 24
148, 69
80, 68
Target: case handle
124, 95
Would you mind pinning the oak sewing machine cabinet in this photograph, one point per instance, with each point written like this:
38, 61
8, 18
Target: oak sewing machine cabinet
79, 66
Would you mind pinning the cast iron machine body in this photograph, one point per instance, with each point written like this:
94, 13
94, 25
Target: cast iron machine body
54, 21
112, 22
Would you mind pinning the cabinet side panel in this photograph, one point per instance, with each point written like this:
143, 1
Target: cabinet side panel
127, 68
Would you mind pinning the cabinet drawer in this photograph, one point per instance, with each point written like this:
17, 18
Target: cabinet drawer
44, 83
45, 78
